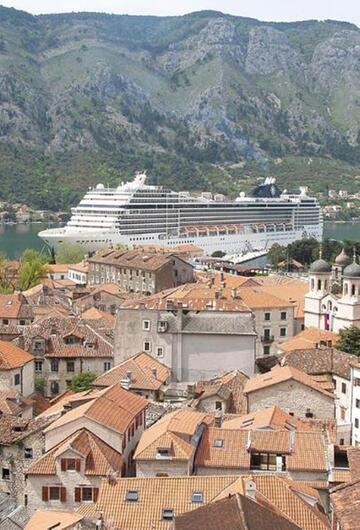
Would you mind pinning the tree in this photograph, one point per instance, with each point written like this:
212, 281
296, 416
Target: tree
39, 384
349, 340
32, 271
81, 382
276, 254
218, 254
6, 286
70, 253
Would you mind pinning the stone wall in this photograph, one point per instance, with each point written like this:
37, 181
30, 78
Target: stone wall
150, 468
293, 397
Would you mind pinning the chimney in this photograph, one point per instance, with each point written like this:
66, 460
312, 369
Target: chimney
218, 419
128, 375
234, 293
221, 276
250, 489
154, 372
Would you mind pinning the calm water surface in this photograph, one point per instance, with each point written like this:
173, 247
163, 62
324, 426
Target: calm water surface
14, 239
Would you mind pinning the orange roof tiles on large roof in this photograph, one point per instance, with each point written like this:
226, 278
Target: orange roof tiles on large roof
175, 493
12, 356
230, 448
146, 372
271, 417
345, 500
286, 288
115, 408
279, 375
309, 338
132, 259
99, 457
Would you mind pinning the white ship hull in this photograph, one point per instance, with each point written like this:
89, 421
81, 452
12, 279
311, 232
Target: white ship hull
229, 243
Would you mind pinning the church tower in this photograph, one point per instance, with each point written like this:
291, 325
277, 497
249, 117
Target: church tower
348, 307
341, 261
319, 286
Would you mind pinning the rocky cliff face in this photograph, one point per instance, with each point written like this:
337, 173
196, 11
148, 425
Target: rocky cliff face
175, 92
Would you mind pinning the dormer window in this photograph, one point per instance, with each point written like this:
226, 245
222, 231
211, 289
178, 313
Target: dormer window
132, 495
163, 452
167, 514
197, 496
218, 442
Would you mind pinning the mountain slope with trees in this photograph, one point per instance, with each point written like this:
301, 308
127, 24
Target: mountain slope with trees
205, 100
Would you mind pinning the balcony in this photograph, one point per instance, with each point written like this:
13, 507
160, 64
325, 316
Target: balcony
267, 338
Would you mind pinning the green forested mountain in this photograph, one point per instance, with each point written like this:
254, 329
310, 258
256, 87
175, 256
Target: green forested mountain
206, 100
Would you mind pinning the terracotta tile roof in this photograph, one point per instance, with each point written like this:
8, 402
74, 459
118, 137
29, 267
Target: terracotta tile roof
77, 350
345, 500
234, 513
284, 495
79, 267
234, 381
45, 519
14, 306
231, 281
69, 400
271, 417
192, 296
303, 450
12, 356
286, 288
59, 267
40, 403
317, 361
175, 493
147, 373
13, 428
100, 459
96, 314
279, 375
257, 298
155, 495
175, 424
132, 259
11, 402
309, 338
115, 408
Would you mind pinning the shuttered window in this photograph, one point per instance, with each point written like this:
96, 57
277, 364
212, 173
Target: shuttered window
70, 464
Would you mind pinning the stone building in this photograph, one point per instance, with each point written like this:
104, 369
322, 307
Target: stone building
71, 472
139, 272
195, 330
105, 297
16, 369
64, 347
21, 442
292, 390
114, 415
14, 311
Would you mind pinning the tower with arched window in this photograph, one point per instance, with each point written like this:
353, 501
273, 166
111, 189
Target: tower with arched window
319, 287
348, 313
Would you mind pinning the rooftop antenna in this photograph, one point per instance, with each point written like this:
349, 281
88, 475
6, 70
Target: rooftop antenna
320, 251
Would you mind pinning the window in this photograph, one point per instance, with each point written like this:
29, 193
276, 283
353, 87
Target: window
5, 473
283, 315
132, 495
162, 452
17, 379
309, 414
147, 346
22, 322
54, 365
356, 381
38, 366
266, 350
267, 316
218, 405
357, 423
357, 403
70, 464
342, 441
107, 366
267, 461
54, 493
197, 496
146, 325
218, 442
28, 452
87, 494
160, 351
342, 413
54, 387
343, 388
70, 366
167, 514
282, 332
5, 321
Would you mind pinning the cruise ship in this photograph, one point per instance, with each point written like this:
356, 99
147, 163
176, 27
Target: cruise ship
136, 213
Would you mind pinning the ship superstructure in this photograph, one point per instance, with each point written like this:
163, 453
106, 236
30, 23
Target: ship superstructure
136, 213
